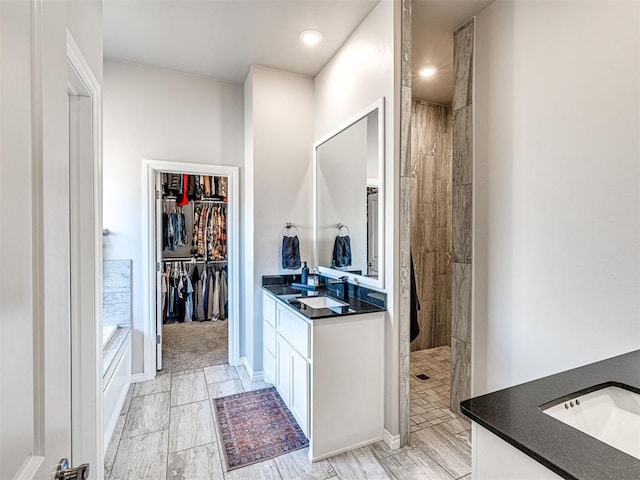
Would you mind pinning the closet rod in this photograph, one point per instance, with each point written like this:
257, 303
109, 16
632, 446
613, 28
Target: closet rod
189, 259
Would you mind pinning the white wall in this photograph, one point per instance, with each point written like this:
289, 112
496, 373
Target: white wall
556, 190
157, 114
278, 158
361, 72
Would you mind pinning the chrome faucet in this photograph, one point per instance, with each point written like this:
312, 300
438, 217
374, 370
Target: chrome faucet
344, 281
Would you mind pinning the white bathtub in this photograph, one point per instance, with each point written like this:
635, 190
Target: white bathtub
610, 414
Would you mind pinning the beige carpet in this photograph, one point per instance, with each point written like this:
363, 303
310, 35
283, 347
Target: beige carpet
194, 345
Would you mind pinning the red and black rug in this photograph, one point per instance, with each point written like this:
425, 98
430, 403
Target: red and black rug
256, 426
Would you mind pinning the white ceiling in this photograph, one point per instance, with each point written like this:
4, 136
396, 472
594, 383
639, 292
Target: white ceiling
434, 22
222, 38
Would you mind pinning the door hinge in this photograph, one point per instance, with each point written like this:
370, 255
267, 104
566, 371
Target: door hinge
157, 194
158, 339
157, 266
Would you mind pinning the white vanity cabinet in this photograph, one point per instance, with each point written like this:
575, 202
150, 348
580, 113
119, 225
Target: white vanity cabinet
330, 374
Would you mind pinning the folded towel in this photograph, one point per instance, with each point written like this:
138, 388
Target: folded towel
341, 251
290, 253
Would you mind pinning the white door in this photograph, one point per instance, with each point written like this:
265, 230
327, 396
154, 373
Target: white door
35, 342
158, 246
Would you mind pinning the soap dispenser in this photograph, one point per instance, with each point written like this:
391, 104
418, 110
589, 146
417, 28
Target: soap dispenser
305, 273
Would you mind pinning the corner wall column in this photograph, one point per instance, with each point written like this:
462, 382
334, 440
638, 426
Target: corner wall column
462, 214
405, 219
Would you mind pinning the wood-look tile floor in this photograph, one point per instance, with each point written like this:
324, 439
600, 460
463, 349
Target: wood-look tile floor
167, 431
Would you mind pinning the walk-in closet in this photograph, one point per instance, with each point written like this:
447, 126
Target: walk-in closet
192, 281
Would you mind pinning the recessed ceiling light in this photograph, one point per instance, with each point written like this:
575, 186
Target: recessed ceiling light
310, 37
428, 72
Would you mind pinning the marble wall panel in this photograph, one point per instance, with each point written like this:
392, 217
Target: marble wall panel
116, 292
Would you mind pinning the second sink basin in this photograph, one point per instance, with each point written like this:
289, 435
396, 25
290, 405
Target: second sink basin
610, 414
321, 302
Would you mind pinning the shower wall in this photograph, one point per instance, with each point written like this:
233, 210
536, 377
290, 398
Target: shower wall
431, 233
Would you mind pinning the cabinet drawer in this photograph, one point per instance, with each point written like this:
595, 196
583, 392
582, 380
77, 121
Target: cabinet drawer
270, 339
294, 330
269, 309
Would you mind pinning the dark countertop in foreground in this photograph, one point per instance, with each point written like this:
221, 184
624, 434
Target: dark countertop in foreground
513, 414
287, 295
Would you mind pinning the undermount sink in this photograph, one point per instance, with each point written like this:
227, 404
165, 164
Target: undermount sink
610, 414
321, 302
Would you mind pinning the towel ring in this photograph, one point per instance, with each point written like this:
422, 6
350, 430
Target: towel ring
340, 226
287, 229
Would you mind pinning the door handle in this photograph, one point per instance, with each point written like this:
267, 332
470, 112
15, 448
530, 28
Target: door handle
64, 472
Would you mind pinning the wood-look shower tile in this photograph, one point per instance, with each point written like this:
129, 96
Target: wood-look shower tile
442, 249
201, 462
405, 307
462, 219
415, 464
463, 66
462, 162
405, 131
426, 179
460, 372
425, 269
297, 465
461, 301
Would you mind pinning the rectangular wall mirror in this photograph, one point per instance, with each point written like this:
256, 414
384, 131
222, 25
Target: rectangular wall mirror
349, 198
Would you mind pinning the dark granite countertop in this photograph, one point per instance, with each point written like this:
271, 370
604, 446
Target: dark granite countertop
513, 414
288, 295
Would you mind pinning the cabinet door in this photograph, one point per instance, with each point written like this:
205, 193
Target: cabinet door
269, 368
283, 369
300, 390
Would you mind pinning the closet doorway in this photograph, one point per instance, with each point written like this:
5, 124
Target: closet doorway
192, 243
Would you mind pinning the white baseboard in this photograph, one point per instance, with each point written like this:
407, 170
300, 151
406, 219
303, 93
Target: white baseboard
138, 377
254, 376
342, 450
392, 441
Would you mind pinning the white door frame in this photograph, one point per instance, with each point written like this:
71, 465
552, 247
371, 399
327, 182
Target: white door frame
85, 185
149, 238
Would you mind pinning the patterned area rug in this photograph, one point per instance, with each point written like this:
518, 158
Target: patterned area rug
187, 346
255, 426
